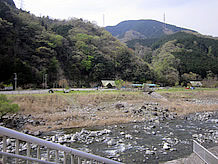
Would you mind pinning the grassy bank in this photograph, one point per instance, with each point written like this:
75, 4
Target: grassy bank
91, 108
183, 89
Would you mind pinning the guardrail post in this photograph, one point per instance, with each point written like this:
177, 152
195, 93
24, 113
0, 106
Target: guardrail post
79, 160
65, 158
48, 154
28, 152
72, 159
17, 149
56, 156
38, 152
4, 148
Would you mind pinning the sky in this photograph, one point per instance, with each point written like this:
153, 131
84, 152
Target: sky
198, 15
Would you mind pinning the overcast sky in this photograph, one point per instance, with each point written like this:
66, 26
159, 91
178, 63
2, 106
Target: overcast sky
199, 15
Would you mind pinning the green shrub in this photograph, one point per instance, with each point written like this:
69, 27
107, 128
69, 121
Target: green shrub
6, 106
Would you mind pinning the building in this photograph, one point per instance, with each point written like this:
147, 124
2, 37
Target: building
108, 83
196, 83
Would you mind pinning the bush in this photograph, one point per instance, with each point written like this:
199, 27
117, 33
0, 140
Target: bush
119, 83
6, 106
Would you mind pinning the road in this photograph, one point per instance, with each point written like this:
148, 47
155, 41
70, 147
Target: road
44, 91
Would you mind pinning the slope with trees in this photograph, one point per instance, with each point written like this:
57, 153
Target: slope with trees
189, 53
72, 50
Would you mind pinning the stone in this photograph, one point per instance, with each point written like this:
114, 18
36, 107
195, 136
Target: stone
149, 152
119, 105
111, 142
154, 114
125, 111
8, 141
166, 146
195, 135
122, 133
128, 136
154, 133
37, 133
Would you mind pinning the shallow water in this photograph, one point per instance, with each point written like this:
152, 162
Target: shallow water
144, 142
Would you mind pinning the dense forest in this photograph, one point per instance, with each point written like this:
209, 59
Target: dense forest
175, 55
77, 53
180, 57
67, 52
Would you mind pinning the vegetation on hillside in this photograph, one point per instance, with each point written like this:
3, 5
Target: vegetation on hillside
74, 50
46, 52
179, 58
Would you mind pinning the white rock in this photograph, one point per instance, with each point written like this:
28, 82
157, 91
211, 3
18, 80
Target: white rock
112, 142
149, 152
122, 133
166, 146
128, 136
8, 141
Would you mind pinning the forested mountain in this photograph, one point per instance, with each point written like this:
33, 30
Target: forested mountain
175, 55
78, 53
67, 51
180, 57
142, 29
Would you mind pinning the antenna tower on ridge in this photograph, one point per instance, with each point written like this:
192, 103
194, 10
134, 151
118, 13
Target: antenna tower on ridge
21, 4
103, 21
164, 21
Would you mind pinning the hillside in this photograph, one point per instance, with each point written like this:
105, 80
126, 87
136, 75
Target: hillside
77, 53
142, 29
180, 57
73, 52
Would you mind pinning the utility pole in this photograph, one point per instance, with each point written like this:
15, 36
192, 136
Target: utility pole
15, 81
45, 81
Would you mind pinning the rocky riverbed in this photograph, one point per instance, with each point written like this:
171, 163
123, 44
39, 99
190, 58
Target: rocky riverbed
152, 132
148, 142
152, 141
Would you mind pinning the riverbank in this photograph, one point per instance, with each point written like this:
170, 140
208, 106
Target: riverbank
46, 112
159, 126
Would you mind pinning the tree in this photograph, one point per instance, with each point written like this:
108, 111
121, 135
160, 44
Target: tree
6, 106
119, 83
63, 83
187, 77
53, 69
164, 67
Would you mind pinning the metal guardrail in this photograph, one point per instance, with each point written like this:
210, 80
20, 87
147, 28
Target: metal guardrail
204, 154
73, 153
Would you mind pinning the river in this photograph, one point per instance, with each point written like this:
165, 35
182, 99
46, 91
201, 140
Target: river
144, 142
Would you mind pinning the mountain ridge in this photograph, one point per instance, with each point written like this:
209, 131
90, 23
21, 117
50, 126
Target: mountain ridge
143, 29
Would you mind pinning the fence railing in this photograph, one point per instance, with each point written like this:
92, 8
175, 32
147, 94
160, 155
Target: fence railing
204, 154
69, 154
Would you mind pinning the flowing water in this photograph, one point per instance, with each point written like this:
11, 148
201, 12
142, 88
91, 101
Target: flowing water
148, 142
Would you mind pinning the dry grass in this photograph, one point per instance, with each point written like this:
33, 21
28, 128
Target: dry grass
76, 110
91, 109
185, 102
30, 104
95, 99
